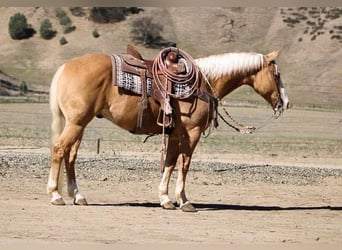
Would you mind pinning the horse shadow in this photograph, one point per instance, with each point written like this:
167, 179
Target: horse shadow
222, 207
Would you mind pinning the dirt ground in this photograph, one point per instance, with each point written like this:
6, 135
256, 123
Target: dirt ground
242, 198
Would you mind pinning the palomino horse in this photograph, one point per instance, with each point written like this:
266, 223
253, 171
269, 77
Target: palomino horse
82, 89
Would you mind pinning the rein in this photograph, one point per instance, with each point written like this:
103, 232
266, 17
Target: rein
238, 127
243, 129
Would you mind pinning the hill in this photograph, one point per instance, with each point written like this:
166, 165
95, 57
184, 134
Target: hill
309, 40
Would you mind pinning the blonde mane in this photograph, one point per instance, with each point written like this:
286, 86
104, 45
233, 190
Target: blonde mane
217, 66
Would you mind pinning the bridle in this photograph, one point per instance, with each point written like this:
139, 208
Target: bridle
278, 106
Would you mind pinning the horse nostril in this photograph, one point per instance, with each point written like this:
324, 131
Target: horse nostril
288, 105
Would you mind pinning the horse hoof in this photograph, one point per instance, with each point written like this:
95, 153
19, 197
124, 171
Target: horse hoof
188, 207
58, 201
169, 206
80, 201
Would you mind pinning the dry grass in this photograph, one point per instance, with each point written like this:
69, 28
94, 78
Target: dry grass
310, 69
311, 137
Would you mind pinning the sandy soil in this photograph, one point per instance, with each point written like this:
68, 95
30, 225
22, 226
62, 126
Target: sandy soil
242, 201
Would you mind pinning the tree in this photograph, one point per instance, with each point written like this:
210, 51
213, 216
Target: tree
145, 31
46, 30
112, 14
107, 15
18, 27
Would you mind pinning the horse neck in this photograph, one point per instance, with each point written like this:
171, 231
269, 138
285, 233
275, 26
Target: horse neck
227, 84
227, 72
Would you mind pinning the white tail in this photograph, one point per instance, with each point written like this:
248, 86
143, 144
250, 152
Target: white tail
57, 122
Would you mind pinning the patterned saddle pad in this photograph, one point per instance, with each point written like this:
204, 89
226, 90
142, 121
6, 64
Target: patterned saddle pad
132, 82
128, 81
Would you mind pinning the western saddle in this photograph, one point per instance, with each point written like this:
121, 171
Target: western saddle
134, 63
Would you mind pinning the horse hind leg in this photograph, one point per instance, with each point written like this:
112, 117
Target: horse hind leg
70, 134
55, 176
57, 125
69, 159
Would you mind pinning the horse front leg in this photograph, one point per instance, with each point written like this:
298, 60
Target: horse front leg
187, 148
170, 163
183, 167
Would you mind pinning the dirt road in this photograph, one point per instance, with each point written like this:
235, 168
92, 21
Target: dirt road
237, 204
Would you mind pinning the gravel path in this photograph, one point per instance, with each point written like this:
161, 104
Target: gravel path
136, 168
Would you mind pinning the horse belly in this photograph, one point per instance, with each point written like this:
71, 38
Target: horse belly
124, 111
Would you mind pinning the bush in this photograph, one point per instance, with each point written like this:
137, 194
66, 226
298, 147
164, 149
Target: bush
23, 88
77, 11
46, 30
132, 10
112, 14
68, 29
65, 21
146, 32
63, 41
60, 13
107, 15
18, 27
96, 33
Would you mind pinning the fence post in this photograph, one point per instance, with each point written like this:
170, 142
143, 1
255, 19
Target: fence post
98, 146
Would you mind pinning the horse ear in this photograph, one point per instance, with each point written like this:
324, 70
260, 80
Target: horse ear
272, 56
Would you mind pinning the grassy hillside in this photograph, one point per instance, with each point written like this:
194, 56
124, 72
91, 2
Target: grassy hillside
309, 41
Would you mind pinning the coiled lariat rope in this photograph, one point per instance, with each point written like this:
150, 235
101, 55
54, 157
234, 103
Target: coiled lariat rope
188, 78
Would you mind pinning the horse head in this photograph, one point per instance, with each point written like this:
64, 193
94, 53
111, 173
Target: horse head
267, 82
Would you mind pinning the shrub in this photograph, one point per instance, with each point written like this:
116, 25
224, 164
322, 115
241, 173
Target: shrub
77, 11
18, 27
46, 30
23, 88
107, 15
96, 33
63, 41
68, 29
133, 10
65, 21
60, 13
337, 37
112, 14
145, 31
